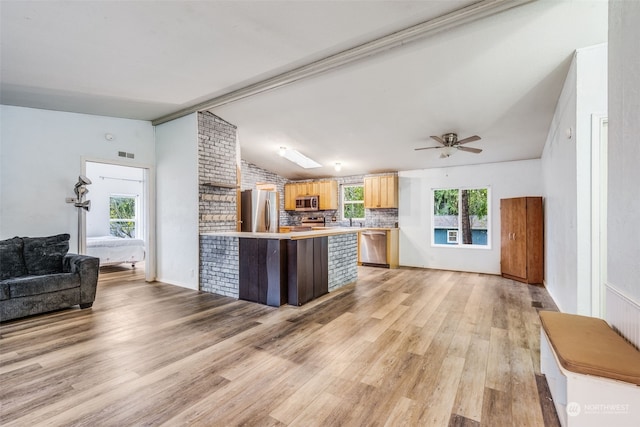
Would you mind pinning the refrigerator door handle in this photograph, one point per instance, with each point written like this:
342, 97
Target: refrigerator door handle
267, 216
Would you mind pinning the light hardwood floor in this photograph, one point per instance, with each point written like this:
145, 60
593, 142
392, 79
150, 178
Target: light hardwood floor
407, 347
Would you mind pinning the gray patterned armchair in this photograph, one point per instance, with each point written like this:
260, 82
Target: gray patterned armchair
37, 275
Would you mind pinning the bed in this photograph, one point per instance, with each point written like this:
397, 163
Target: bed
116, 250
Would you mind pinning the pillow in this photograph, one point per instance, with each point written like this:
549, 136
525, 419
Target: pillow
43, 255
11, 260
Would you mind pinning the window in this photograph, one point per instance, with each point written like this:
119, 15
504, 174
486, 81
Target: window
123, 215
461, 217
352, 202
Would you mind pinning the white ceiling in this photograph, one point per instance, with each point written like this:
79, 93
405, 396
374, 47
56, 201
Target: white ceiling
498, 77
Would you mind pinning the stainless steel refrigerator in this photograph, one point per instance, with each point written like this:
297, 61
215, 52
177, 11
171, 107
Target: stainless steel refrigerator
260, 211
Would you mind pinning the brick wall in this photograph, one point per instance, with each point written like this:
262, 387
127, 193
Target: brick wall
342, 260
217, 165
219, 265
218, 204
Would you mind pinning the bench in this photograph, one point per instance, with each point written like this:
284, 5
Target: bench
592, 372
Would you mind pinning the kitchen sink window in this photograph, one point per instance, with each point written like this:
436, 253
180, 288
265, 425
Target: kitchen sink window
461, 217
353, 202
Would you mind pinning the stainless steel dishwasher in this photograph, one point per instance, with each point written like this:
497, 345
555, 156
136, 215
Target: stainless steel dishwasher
373, 248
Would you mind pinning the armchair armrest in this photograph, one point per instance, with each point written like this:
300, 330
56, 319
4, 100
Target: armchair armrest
87, 267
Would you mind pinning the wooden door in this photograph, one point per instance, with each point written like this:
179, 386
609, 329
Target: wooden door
519, 238
313, 188
290, 197
371, 192
505, 235
388, 193
535, 240
328, 192
513, 237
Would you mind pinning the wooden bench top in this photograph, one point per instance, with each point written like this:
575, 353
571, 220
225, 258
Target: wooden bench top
588, 345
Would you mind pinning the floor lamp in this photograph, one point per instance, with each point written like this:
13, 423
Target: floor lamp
81, 191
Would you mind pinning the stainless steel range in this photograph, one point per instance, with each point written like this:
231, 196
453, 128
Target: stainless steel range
307, 223
312, 221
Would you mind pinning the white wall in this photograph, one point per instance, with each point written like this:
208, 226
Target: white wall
591, 99
40, 160
566, 165
177, 202
107, 180
623, 269
508, 179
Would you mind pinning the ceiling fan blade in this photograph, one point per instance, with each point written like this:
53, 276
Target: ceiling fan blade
440, 140
470, 149
467, 140
425, 148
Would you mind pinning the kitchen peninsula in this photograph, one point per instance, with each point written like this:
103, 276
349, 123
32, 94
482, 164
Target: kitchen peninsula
278, 268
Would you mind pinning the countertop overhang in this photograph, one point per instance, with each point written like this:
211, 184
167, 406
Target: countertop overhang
296, 235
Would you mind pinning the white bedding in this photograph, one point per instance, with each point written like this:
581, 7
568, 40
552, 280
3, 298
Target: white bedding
115, 250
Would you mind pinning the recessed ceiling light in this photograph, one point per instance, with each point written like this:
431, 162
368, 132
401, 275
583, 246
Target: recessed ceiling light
338, 166
300, 159
282, 151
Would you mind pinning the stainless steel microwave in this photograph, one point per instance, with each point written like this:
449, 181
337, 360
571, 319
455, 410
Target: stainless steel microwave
307, 203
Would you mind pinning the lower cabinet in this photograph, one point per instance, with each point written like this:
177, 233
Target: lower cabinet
307, 269
279, 271
262, 271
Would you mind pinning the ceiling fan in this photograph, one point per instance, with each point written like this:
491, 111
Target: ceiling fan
450, 142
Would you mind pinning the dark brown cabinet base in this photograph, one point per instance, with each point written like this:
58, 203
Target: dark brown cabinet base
262, 276
308, 269
275, 272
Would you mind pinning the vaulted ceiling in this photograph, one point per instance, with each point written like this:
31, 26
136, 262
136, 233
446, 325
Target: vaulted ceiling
497, 76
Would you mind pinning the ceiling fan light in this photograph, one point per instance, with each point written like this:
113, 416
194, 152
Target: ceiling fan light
446, 152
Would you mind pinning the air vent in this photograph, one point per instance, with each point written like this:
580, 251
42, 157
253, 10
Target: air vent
125, 154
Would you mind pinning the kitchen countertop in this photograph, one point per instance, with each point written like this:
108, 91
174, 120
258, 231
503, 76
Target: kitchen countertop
296, 235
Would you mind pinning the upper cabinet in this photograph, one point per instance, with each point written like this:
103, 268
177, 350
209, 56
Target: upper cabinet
381, 191
326, 190
290, 194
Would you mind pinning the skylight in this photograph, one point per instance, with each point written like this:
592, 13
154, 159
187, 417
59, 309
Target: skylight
299, 159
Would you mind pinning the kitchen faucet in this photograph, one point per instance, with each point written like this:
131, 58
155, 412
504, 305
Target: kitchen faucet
350, 222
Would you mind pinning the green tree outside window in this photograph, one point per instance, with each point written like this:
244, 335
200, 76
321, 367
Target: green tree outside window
468, 205
353, 202
122, 216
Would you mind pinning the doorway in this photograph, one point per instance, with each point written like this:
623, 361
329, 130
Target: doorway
117, 227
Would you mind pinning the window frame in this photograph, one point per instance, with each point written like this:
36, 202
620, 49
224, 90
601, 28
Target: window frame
343, 202
135, 220
459, 244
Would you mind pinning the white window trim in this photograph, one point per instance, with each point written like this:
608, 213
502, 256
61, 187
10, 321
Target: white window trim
136, 217
349, 202
460, 245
